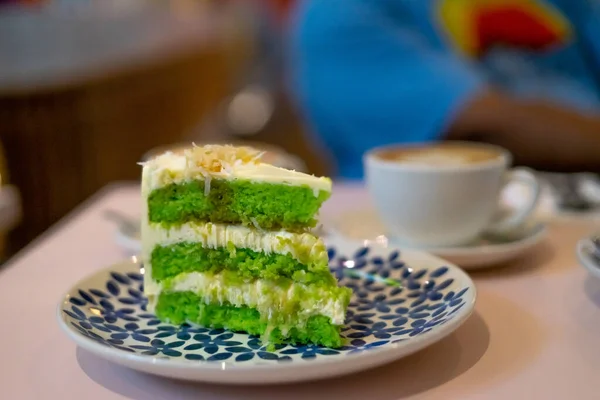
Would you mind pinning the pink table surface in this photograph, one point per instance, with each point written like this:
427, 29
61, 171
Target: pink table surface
535, 332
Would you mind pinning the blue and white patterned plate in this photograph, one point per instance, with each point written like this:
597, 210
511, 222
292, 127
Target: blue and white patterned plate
106, 314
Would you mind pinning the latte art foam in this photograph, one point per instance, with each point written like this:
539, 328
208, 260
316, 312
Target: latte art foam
440, 155
435, 159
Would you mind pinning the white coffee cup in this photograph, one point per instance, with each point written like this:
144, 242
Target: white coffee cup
445, 194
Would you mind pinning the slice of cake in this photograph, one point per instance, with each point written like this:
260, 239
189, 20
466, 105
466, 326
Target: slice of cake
226, 244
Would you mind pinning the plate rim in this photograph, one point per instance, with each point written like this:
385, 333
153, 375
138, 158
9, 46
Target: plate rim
370, 358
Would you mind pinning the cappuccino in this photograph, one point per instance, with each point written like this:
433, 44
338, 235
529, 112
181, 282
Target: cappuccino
440, 155
445, 194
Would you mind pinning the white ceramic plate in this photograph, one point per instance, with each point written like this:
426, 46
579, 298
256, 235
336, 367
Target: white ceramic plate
486, 252
105, 314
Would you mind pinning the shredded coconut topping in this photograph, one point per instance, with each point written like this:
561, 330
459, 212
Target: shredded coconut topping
256, 225
221, 158
207, 180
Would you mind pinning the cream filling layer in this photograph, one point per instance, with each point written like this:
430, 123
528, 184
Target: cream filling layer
304, 247
177, 168
267, 297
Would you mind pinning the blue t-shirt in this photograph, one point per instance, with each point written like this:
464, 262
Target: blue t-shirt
373, 72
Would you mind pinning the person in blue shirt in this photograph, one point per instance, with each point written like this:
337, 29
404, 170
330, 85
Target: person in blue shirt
523, 74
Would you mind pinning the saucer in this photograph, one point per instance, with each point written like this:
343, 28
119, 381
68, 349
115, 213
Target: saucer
106, 314
484, 252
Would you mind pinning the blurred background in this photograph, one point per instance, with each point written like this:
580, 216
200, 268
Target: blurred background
88, 88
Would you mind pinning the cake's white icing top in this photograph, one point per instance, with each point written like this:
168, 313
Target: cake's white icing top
218, 235
266, 296
222, 162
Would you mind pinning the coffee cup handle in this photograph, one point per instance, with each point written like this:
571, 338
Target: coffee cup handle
520, 215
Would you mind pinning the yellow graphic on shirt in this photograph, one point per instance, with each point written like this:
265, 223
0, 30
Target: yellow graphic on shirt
475, 26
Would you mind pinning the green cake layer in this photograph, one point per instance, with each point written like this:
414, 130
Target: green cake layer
280, 298
180, 307
270, 206
169, 261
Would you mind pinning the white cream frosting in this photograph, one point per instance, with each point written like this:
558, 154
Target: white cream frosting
213, 236
222, 162
266, 296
